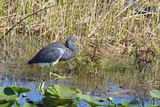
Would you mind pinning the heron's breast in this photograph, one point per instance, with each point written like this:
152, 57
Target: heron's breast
44, 64
49, 64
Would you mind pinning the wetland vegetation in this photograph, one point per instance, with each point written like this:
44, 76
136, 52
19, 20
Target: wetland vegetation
123, 46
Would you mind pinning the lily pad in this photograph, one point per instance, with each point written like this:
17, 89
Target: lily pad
7, 94
62, 92
92, 100
50, 91
17, 104
29, 105
152, 106
126, 103
54, 102
6, 103
133, 103
62, 95
20, 90
155, 94
118, 105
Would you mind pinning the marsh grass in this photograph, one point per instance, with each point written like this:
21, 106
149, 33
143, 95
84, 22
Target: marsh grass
108, 28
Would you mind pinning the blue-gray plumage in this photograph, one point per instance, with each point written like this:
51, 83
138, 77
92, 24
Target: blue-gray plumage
55, 52
151, 9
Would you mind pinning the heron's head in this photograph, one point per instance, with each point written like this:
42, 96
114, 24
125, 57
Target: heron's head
73, 40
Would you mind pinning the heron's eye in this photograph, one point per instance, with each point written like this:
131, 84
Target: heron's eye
76, 41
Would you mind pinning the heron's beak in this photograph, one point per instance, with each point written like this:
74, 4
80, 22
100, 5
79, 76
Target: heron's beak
77, 43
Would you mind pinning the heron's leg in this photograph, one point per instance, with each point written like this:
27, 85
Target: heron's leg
49, 77
42, 71
50, 74
58, 76
55, 68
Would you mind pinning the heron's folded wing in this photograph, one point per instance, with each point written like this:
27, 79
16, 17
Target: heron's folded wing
48, 55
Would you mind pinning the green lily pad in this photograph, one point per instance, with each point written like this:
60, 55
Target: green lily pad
62, 92
50, 91
152, 106
118, 105
6, 103
75, 103
155, 94
29, 105
54, 102
17, 104
62, 95
7, 94
125, 103
20, 90
92, 100
133, 103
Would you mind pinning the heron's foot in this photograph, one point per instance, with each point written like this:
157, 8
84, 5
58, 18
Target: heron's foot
57, 76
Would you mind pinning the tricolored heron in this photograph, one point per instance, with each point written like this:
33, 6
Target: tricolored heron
151, 9
55, 52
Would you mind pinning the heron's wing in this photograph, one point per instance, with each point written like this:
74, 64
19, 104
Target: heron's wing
48, 55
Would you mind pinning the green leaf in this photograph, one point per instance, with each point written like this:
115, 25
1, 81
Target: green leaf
6, 103
20, 89
153, 106
54, 102
51, 91
62, 92
125, 103
41, 86
92, 100
155, 94
17, 104
118, 105
59, 95
7, 94
76, 102
133, 103
65, 94
29, 105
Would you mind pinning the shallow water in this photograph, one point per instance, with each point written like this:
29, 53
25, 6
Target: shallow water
14, 80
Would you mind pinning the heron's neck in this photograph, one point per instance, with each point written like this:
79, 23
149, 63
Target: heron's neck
69, 54
73, 49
